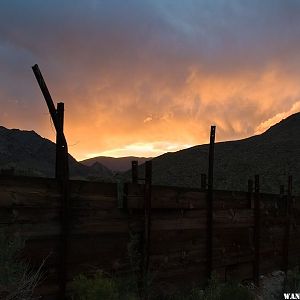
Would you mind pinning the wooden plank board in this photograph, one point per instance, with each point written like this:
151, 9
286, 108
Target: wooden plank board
169, 240
31, 231
174, 197
230, 199
233, 217
177, 224
93, 188
93, 201
29, 214
27, 182
30, 198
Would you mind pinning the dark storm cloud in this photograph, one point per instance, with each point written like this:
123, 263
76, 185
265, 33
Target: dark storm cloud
138, 69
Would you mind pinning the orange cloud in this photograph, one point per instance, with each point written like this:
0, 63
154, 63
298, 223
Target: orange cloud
150, 76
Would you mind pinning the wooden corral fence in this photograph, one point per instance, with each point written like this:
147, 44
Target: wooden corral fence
252, 233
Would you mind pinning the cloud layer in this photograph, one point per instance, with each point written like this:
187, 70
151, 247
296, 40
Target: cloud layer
144, 77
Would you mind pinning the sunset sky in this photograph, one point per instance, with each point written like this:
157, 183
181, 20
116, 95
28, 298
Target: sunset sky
143, 77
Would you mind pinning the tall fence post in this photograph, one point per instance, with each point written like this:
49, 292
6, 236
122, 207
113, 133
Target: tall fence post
59, 163
257, 230
287, 225
61, 174
147, 228
134, 171
210, 202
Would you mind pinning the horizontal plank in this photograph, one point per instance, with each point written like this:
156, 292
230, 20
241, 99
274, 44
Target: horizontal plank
230, 199
93, 201
90, 226
178, 224
28, 182
32, 231
241, 217
29, 214
43, 198
165, 241
177, 198
93, 188
169, 200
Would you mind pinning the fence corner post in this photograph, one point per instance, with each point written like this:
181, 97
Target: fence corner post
147, 228
210, 203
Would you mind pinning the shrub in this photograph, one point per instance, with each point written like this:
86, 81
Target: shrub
292, 281
17, 279
217, 291
101, 287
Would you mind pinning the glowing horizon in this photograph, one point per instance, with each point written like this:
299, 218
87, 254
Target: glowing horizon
140, 150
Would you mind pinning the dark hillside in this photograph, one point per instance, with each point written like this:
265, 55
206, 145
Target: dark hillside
273, 155
30, 154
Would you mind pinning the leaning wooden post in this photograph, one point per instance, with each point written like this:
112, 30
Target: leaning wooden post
146, 254
46, 93
134, 171
62, 174
257, 229
210, 202
287, 225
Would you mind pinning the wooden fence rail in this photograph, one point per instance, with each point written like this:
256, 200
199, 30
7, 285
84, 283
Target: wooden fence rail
174, 222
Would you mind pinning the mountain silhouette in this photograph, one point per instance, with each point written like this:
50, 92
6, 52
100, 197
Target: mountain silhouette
119, 164
29, 154
273, 155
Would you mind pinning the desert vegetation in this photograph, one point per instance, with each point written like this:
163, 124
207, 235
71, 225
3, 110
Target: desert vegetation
18, 279
101, 287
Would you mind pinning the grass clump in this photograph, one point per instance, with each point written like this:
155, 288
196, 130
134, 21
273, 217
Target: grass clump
17, 279
216, 291
292, 281
100, 287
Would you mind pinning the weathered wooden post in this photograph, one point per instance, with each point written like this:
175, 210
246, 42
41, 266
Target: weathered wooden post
257, 230
147, 228
210, 202
134, 171
61, 173
287, 225
60, 168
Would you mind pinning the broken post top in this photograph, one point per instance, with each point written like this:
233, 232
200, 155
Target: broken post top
49, 101
45, 92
